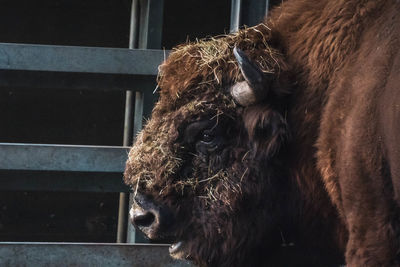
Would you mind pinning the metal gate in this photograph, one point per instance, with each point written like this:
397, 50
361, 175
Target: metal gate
42, 167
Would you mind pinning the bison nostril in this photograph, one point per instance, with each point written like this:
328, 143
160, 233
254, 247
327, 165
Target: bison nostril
144, 219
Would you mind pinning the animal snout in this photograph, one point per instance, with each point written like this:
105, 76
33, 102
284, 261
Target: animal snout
150, 218
144, 218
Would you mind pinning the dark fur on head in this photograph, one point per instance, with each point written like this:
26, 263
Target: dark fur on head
231, 198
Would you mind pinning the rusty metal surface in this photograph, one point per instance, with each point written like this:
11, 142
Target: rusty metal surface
81, 254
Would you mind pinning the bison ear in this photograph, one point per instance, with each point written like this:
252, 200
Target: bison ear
256, 85
267, 129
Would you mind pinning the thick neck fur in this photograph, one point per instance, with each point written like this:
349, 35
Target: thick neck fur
306, 237
317, 36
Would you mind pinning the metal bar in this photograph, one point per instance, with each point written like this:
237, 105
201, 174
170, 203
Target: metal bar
132, 235
123, 205
79, 59
266, 7
122, 217
138, 120
143, 23
32, 80
142, 7
13, 180
134, 25
128, 119
41, 157
235, 15
151, 20
150, 31
85, 254
253, 12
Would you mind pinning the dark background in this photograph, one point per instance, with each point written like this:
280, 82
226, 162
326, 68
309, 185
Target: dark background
78, 117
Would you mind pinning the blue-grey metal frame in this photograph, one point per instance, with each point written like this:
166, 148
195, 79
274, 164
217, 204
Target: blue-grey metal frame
145, 33
85, 254
79, 59
91, 168
247, 12
67, 181
43, 157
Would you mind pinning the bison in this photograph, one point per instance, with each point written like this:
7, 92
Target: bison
278, 145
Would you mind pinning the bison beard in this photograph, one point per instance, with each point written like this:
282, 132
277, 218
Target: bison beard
274, 146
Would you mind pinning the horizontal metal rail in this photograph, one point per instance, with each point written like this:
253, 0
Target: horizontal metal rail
62, 181
31, 67
85, 254
39, 157
33, 80
79, 59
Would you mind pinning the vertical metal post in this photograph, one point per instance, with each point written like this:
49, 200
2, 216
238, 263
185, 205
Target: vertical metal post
149, 37
145, 32
247, 12
132, 235
253, 12
266, 7
235, 15
124, 197
151, 21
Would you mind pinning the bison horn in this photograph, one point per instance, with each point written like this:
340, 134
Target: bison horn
253, 89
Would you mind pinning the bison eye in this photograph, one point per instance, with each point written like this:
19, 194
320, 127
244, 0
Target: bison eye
209, 141
207, 137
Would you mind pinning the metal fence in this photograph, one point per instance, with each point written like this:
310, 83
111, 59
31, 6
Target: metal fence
91, 168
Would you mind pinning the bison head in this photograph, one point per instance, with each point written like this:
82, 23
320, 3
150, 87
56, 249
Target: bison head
205, 169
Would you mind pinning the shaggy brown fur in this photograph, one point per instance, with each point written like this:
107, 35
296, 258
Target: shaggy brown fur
304, 178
